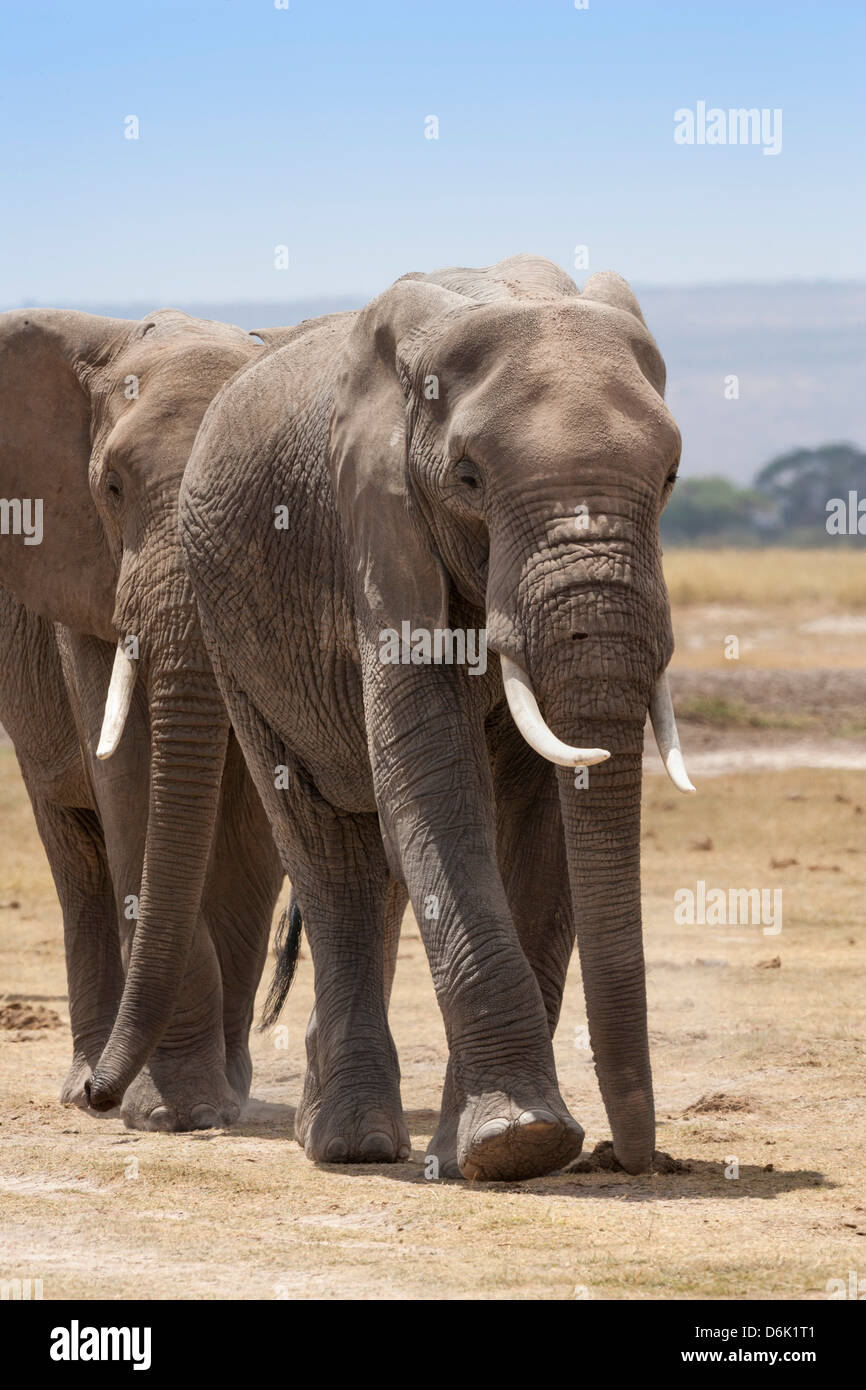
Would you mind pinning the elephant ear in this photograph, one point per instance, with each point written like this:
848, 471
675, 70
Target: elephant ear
53, 552
397, 570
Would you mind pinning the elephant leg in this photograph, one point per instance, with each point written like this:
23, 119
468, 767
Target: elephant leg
243, 882
350, 1109
395, 907
184, 1084
75, 847
436, 799
36, 710
531, 853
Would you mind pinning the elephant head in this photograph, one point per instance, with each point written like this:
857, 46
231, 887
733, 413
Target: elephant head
502, 439
97, 419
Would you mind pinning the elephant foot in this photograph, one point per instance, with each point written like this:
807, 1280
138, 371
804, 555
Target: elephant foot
348, 1128
180, 1094
73, 1091
337, 1124
502, 1140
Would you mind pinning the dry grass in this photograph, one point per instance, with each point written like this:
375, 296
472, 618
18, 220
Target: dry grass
787, 609
95, 1211
836, 579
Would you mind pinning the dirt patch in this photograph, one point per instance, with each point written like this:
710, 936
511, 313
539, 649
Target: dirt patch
603, 1160
718, 1103
18, 1015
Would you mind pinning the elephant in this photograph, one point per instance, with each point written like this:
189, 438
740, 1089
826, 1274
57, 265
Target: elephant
476, 451
160, 851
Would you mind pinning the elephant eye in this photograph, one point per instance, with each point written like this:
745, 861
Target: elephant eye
113, 485
468, 474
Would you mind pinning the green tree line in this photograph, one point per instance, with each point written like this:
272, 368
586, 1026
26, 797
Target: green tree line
803, 498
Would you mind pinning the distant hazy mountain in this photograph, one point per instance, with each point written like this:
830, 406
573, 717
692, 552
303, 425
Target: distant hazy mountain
797, 349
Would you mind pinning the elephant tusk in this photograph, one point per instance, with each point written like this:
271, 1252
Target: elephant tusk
527, 717
664, 724
117, 702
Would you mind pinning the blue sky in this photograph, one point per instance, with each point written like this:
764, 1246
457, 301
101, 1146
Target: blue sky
305, 127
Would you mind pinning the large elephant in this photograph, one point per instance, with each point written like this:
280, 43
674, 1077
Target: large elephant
475, 449
140, 793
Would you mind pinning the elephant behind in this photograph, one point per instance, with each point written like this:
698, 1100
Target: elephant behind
141, 797
476, 451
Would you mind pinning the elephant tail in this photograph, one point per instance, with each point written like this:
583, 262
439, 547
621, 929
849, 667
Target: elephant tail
288, 945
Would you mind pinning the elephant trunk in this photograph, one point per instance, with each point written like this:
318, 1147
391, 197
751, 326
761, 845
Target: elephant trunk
189, 733
596, 695
601, 821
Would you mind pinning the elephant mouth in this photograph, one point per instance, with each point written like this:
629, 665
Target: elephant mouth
530, 722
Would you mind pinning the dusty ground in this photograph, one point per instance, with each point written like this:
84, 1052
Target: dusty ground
758, 1055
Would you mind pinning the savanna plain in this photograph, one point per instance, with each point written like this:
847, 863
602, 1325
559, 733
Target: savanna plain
758, 1039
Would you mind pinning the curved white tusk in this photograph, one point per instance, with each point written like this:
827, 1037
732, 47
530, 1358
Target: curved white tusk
665, 729
527, 717
117, 702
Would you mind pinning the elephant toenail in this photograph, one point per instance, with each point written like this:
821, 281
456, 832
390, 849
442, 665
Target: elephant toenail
337, 1151
491, 1130
377, 1147
161, 1119
537, 1117
204, 1117
450, 1170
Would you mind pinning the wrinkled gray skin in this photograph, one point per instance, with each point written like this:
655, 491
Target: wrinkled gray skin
457, 508
171, 817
